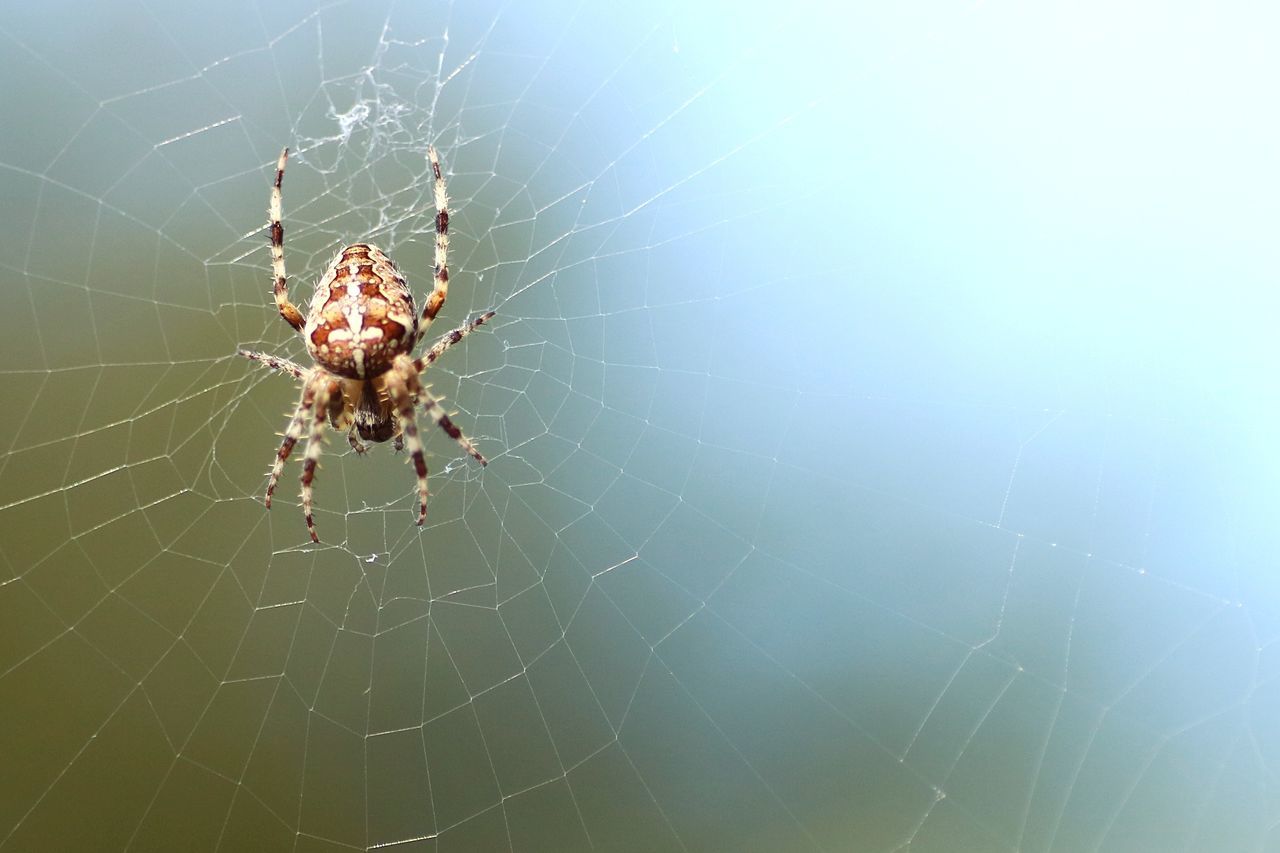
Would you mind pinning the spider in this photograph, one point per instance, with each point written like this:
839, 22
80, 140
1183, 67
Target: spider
361, 331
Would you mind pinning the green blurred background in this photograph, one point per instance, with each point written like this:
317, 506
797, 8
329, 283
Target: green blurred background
881, 408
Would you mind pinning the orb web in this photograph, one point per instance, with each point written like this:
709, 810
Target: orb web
835, 502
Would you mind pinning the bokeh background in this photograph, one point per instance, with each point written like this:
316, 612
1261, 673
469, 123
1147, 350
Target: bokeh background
881, 405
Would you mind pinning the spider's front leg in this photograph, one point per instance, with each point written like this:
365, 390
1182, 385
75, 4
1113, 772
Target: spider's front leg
315, 443
401, 394
432, 407
291, 435
356, 444
409, 375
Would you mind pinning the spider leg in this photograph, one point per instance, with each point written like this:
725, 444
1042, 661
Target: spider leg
288, 310
292, 434
356, 444
433, 408
405, 371
340, 417
402, 398
440, 283
275, 362
449, 339
315, 443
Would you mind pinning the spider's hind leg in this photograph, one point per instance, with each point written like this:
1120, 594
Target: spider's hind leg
280, 288
440, 280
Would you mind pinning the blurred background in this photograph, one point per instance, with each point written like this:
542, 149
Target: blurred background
880, 405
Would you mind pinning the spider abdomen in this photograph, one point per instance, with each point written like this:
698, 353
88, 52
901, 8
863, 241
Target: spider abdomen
362, 314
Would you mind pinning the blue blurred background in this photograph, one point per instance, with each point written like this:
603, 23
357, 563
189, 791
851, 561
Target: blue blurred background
880, 404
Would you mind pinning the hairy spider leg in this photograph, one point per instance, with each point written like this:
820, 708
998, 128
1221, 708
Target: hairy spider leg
296, 427
398, 387
433, 408
449, 339
315, 444
275, 362
288, 310
440, 280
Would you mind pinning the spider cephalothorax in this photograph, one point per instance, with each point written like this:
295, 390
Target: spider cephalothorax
361, 330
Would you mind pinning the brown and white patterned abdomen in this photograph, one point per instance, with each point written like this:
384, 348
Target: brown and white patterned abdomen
362, 314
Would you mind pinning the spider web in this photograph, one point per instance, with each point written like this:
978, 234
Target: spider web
879, 409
